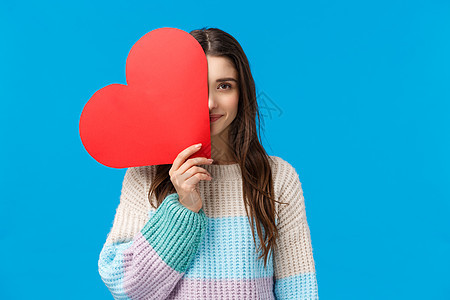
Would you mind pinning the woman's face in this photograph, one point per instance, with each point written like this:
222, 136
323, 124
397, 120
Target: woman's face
223, 92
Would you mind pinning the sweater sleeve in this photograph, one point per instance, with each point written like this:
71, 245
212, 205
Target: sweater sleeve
147, 262
294, 269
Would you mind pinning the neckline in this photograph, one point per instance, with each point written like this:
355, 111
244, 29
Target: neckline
229, 171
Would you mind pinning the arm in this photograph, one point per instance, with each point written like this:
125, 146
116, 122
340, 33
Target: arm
295, 274
147, 262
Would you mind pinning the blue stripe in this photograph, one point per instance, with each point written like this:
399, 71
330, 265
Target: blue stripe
228, 251
110, 266
301, 286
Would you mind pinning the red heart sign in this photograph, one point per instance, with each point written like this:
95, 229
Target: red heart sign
162, 110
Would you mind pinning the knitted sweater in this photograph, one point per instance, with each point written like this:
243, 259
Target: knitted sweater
174, 253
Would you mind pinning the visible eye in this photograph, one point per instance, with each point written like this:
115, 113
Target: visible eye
225, 84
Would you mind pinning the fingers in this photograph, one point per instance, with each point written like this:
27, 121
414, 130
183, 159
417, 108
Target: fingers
192, 163
183, 156
193, 171
185, 175
193, 180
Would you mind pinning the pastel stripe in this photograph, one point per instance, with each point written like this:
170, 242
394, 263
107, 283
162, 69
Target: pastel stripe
228, 252
300, 286
175, 232
256, 289
145, 272
110, 267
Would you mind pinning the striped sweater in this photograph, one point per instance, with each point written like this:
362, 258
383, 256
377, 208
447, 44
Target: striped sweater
174, 253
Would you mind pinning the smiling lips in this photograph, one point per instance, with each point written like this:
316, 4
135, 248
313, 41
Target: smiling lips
213, 118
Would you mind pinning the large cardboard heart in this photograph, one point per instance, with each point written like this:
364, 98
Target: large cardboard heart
162, 110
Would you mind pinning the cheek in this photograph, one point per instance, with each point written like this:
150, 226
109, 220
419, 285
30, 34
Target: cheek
232, 107
232, 103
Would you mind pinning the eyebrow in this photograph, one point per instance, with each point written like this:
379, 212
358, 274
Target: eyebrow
226, 79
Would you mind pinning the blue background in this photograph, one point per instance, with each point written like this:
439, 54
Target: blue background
354, 94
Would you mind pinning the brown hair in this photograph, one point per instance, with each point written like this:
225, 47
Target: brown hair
257, 182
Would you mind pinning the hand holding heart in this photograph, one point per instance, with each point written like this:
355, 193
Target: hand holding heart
185, 176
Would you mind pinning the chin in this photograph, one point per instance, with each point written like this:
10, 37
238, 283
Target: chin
215, 131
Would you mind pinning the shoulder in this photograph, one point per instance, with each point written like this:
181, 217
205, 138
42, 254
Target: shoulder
286, 181
278, 161
282, 170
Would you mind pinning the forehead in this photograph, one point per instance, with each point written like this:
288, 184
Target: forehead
220, 66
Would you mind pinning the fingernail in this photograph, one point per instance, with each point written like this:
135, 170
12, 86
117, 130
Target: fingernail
198, 145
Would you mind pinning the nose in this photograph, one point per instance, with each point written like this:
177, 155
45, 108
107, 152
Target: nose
211, 103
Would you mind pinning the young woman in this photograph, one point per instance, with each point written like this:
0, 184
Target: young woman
234, 228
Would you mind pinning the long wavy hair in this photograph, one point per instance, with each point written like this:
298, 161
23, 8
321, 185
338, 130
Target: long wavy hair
257, 182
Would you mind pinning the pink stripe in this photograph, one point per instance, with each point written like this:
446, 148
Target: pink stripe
147, 276
191, 288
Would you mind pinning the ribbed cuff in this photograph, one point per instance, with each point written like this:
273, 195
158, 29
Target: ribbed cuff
175, 232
